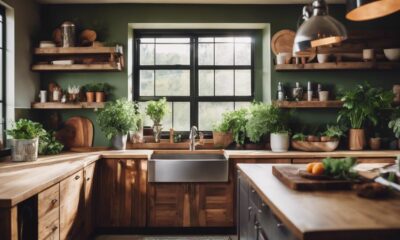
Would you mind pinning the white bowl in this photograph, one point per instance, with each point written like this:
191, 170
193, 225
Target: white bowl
392, 54
323, 57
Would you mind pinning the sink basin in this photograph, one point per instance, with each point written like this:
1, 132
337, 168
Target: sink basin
188, 168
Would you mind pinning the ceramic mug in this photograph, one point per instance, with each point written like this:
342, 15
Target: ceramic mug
283, 58
368, 54
323, 95
43, 96
323, 57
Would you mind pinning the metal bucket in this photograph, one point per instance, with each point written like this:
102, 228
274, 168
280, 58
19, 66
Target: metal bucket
68, 34
24, 150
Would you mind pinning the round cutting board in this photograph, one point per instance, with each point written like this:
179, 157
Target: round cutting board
76, 132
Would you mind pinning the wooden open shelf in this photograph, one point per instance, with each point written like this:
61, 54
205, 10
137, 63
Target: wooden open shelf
339, 66
59, 105
309, 104
77, 67
74, 50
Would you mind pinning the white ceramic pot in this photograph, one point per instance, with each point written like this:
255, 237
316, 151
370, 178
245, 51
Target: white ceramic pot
24, 150
323, 96
368, 54
119, 141
283, 58
323, 57
279, 142
392, 54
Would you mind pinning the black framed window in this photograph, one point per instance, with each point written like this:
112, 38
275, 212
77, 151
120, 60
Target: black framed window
201, 73
2, 72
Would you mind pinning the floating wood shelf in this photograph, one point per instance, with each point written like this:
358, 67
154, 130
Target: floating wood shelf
309, 104
339, 66
77, 67
74, 50
58, 105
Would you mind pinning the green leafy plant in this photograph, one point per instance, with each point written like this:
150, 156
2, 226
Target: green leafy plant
265, 119
394, 124
156, 110
235, 122
48, 145
91, 87
118, 117
103, 87
363, 103
339, 168
26, 129
333, 131
299, 137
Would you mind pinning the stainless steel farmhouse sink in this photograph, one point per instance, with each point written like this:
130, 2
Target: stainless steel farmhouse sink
188, 168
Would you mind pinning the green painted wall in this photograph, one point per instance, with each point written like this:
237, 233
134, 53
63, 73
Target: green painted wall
111, 22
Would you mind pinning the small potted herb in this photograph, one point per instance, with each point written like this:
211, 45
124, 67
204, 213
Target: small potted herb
48, 145
232, 127
25, 140
157, 110
117, 119
90, 90
332, 133
102, 91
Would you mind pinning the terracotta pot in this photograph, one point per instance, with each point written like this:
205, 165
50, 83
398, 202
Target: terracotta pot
100, 97
90, 96
356, 139
222, 139
375, 143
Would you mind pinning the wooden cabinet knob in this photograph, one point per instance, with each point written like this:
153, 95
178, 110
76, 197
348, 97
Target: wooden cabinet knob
88, 179
54, 228
77, 177
54, 201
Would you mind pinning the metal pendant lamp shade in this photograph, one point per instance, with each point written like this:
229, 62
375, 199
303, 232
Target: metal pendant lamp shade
362, 10
319, 29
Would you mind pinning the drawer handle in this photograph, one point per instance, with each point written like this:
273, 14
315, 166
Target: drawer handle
54, 201
54, 228
77, 177
253, 191
88, 179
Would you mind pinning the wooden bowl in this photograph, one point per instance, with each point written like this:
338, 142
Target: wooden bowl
315, 146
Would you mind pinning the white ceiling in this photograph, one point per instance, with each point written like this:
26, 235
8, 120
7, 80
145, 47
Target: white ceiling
187, 1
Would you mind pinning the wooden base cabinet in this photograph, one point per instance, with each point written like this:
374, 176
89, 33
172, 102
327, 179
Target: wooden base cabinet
190, 205
121, 198
89, 173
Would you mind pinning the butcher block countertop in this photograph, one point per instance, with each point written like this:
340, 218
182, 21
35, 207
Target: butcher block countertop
326, 215
20, 181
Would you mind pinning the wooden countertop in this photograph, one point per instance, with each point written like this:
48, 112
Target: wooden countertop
331, 214
230, 154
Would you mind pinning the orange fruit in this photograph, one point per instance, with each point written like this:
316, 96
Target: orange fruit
310, 166
318, 169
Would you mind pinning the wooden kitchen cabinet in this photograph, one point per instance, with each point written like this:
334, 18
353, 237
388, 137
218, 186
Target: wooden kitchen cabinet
121, 198
49, 213
89, 174
72, 207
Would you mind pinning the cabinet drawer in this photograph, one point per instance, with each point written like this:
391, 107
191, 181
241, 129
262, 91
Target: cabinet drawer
49, 213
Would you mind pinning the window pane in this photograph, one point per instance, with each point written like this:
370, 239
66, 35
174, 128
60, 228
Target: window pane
206, 39
224, 54
181, 121
242, 39
206, 82
242, 54
211, 112
172, 82
146, 54
242, 82
146, 83
239, 105
172, 54
147, 40
173, 40
166, 122
206, 54
224, 39
223, 82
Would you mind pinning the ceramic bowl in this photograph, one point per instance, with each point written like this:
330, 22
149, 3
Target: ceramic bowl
392, 54
323, 57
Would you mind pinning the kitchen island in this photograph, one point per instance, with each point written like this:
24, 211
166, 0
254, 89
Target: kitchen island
270, 210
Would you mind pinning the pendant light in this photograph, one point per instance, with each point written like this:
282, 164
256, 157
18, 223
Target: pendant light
362, 10
318, 28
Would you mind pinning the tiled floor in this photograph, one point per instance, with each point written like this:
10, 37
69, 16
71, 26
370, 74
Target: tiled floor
137, 237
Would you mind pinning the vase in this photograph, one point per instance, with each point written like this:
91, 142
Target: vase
157, 128
279, 142
137, 136
90, 97
119, 141
100, 96
375, 143
25, 150
356, 139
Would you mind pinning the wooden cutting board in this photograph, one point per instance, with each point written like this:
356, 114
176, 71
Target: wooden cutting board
289, 176
76, 132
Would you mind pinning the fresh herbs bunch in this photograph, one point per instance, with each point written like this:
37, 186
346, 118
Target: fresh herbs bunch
334, 131
48, 145
299, 137
156, 110
235, 122
265, 119
339, 168
118, 117
362, 103
26, 129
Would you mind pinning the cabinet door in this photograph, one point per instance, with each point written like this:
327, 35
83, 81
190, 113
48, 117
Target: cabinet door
48, 205
169, 205
244, 208
214, 204
121, 199
71, 206
89, 172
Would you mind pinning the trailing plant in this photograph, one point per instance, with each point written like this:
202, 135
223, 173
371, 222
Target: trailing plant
235, 122
299, 137
26, 129
265, 119
48, 145
118, 117
333, 131
394, 124
156, 110
362, 104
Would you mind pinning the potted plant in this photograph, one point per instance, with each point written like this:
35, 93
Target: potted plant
231, 128
48, 145
25, 140
394, 124
375, 142
102, 91
117, 119
90, 90
332, 133
267, 119
156, 110
360, 105
222, 135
